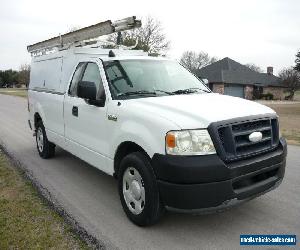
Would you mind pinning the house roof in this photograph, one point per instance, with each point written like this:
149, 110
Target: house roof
230, 71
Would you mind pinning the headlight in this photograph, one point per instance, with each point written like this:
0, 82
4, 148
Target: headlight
189, 142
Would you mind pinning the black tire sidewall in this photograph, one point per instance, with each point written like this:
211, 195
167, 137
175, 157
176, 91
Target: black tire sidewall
47, 148
153, 208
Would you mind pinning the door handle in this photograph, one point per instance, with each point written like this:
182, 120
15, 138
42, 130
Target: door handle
75, 111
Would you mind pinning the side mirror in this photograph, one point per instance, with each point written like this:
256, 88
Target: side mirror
87, 90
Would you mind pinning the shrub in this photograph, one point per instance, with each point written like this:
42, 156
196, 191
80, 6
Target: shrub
268, 96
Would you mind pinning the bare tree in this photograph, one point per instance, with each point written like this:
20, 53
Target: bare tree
297, 61
194, 61
254, 67
24, 74
150, 37
290, 78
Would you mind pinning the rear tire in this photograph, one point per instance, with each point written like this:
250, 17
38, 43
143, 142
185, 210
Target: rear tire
45, 148
138, 190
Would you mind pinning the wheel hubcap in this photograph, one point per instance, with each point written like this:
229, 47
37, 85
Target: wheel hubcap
40, 139
133, 190
136, 190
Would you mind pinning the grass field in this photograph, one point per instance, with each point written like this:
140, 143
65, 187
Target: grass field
289, 119
26, 222
14, 91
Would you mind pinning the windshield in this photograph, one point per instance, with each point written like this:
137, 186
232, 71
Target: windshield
145, 78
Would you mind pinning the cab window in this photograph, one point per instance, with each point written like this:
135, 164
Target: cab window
76, 78
92, 74
88, 72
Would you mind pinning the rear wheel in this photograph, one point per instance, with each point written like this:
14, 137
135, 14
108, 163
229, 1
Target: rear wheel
45, 148
138, 190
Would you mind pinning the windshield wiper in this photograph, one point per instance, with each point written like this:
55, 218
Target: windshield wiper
163, 91
139, 92
189, 91
146, 92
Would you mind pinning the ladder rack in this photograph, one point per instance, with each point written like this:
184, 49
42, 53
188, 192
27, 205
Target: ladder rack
86, 33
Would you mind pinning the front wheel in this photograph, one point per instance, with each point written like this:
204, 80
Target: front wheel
45, 148
138, 190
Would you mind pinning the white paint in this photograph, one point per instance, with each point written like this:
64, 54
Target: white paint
145, 121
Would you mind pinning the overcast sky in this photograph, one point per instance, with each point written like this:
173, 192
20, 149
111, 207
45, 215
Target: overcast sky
266, 32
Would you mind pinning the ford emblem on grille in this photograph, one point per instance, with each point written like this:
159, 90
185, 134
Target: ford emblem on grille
255, 136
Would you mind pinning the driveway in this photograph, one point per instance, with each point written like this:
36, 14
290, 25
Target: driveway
90, 197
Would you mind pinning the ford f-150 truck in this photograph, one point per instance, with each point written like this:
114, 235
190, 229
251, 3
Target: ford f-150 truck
168, 140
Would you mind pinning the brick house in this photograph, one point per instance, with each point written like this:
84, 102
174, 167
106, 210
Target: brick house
229, 77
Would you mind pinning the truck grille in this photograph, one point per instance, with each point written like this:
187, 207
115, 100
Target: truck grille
231, 138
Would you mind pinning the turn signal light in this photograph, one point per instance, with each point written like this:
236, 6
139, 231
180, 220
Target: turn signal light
170, 140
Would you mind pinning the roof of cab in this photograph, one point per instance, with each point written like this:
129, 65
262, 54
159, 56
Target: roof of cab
124, 57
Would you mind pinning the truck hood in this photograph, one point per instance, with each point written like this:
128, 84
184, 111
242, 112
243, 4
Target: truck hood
198, 110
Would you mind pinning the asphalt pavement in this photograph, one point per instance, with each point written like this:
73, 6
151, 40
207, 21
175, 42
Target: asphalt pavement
89, 198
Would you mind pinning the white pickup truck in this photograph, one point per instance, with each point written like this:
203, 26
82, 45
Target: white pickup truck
169, 141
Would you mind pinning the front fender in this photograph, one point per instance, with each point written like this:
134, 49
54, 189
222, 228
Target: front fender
152, 141
141, 126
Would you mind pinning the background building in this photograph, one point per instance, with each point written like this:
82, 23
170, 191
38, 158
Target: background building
229, 77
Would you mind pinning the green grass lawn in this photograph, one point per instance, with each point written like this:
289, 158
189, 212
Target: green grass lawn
26, 222
14, 91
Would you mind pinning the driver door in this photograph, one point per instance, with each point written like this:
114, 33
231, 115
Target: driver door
86, 124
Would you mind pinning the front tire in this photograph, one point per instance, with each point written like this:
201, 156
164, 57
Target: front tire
45, 148
138, 190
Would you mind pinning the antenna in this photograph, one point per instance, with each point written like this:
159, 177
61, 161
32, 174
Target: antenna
90, 32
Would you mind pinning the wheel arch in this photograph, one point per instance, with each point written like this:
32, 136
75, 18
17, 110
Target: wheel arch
124, 149
38, 115
37, 118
